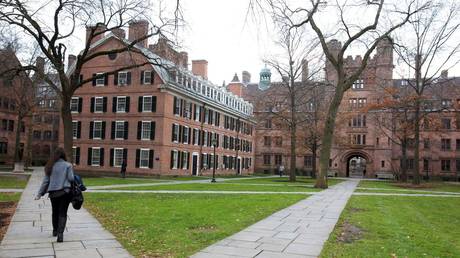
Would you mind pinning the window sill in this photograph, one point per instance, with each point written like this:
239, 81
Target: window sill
95, 165
99, 85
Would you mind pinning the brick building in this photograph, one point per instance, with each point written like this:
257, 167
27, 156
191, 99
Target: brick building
161, 119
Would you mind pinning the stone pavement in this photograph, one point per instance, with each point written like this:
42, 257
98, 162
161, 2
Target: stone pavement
30, 231
297, 231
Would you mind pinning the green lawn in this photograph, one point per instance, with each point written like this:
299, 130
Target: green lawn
9, 197
224, 186
100, 181
399, 227
301, 180
178, 225
430, 186
7, 181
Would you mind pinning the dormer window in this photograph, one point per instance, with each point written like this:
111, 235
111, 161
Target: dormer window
100, 81
122, 78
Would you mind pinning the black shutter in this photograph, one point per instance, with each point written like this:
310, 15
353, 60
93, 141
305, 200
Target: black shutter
180, 134
90, 156
92, 105
139, 129
77, 156
179, 159
106, 79
101, 157
114, 104
181, 106
188, 160
126, 130
194, 111
104, 104
189, 135
112, 132
142, 77
115, 79
94, 79
172, 132
125, 155
171, 160
129, 78
140, 104
127, 104
80, 104
152, 76
111, 156
174, 106
138, 155
150, 158
78, 129
154, 103
103, 130
91, 128
152, 130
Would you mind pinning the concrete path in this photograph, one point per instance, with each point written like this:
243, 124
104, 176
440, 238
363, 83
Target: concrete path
404, 194
406, 190
10, 190
297, 231
30, 231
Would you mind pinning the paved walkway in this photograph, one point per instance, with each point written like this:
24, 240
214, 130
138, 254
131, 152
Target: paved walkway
297, 231
29, 233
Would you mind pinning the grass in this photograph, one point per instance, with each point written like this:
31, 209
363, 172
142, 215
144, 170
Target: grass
285, 181
100, 181
429, 186
399, 227
17, 182
10, 197
223, 186
178, 225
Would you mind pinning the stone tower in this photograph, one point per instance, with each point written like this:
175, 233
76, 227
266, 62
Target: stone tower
265, 78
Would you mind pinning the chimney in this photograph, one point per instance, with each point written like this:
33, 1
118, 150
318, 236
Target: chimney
137, 30
200, 67
119, 32
304, 70
184, 61
98, 28
444, 74
71, 60
40, 64
246, 77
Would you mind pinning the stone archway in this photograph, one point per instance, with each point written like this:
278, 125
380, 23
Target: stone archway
356, 164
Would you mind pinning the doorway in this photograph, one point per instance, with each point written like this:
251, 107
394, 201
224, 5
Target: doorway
356, 166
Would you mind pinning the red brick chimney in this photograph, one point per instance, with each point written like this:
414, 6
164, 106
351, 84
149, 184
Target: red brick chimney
119, 32
97, 28
137, 30
40, 64
71, 60
200, 67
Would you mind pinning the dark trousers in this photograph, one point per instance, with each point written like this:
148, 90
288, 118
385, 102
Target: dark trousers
59, 206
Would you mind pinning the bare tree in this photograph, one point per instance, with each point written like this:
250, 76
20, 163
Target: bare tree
427, 45
68, 16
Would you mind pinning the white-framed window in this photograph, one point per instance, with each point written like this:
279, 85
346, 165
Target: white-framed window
98, 104
97, 129
174, 157
119, 130
184, 160
197, 113
117, 157
74, 155
185, 136
147, 77
122, 78
358, 84
146, 130
75, 129
147, 103
196, 136
144, 158
175, 136
100, 81
95, 156
205, 138
121, 104
74, 104
52, 103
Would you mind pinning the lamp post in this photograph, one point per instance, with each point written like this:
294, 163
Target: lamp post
214, 143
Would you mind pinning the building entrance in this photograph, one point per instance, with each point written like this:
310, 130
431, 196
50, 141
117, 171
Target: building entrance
356, 166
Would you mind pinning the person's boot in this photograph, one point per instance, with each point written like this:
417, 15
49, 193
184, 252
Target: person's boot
60, 237
61, 228
55, 232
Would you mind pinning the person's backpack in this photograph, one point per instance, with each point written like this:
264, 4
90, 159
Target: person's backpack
79, 182
76, 191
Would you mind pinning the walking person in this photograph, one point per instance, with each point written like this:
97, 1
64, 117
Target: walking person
281, 170
123, 168
57, 182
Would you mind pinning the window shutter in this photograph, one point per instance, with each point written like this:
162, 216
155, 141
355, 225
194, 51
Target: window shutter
112, 132
152, 130
174, 106
152, 76
171, 160
194, 111
106, 79
103, 130
101, 158
127, 104
115, 79
94, 79
111, 156
181, 106
172, 132
77, 156
80, 104
179, 159
126, 130
189, 108
114, 104
189, 135
78, 129
80, 78
138, 154
180, 134
92, 105
129, 78
139, 129
188, 160
90, 156
150, 158
140, 104
142, 77
154, 103
91, 128
104, 104
125, 155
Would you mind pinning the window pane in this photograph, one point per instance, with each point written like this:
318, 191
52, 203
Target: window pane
118, 157
121, 104
145, 130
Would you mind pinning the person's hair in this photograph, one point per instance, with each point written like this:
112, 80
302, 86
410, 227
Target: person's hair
58, 154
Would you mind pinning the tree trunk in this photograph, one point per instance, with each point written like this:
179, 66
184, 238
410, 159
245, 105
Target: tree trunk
66, 116
28, 158
292, 176
416, 174
325, 153
403, 177
313, 162
17, 144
